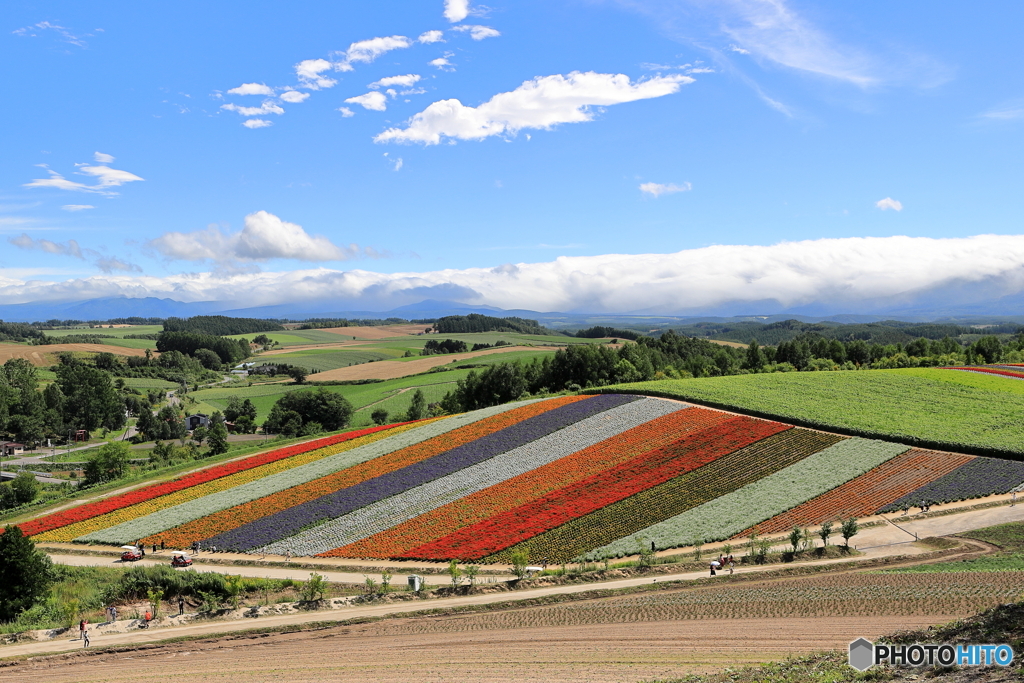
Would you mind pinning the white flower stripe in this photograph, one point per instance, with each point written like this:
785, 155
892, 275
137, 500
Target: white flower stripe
394, 510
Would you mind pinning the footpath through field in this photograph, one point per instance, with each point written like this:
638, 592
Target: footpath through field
880, 539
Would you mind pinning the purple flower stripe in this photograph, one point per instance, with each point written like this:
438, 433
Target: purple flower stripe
977, 478
289, 522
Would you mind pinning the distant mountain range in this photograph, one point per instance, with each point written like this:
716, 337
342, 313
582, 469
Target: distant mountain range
151, 307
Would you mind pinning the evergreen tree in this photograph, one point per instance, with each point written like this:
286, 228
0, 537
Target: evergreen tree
25, 573
418, 407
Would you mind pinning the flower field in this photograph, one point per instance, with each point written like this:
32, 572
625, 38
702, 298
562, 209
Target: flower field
662, 502
558, 479
864, 495
730, 514
211, 527
974, 479
397, 541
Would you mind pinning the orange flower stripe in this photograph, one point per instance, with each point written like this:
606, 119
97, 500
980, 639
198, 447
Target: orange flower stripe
526, 487
232, 518
72, 531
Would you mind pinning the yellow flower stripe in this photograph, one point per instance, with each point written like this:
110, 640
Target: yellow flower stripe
73, 531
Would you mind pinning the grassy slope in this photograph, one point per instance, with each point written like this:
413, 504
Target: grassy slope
946, 409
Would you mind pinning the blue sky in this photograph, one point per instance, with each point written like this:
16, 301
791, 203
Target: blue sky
588, 155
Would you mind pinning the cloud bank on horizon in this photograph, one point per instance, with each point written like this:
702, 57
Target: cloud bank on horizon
837, 275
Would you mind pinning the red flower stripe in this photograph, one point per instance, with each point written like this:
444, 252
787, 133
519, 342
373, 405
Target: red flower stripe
102, 507
650, 469
477, 507
869, 492
992, 371
234, 517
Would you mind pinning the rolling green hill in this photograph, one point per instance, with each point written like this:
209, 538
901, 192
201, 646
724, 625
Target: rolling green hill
932, 408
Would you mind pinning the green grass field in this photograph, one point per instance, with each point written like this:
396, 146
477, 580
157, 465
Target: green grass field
107, 331
297, 337
947, 409
149, 383
264, 396
314, 359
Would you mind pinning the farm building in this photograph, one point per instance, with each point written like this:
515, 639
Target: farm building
10, 448
197, 420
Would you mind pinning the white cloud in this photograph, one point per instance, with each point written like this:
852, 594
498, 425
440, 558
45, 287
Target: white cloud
1006, 112
77, 207
835, 275
267, 107
252, 89
442, 63
396, 163
479, 32
889, 203
738, 49
431, 37
294, 96
377, 101
309, 73
541, 103
108, 178
265, 236
102, 158
405, 81
110, 264
456, 10
658, 189
66, 35
346, 112
369, 50
257, 123
69, 248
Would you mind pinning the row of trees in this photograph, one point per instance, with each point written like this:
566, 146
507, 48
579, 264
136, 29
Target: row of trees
227, 351
474, 322
221, 325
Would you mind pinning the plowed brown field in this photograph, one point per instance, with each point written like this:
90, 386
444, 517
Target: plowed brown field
393, 369
47, 355
403, 650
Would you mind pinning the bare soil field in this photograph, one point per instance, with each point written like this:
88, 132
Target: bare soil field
46, 355
403, 650
393, 369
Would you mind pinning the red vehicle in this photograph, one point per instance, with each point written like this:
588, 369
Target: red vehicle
131, 553
180, 559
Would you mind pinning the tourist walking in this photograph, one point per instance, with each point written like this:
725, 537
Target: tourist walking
85, 637
81, 629
181, 605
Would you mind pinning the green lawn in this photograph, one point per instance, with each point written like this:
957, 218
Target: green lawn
948, 409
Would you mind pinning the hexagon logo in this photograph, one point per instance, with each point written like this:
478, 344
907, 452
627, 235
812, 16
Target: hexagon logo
862, 654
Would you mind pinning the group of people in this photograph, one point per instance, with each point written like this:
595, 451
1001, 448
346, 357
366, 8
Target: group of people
722, 562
